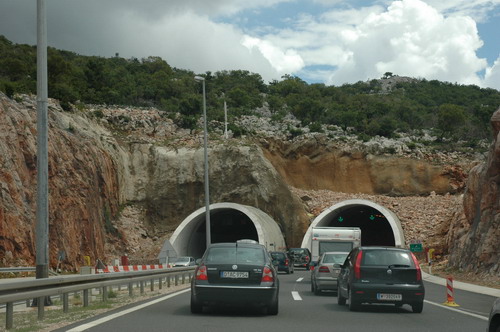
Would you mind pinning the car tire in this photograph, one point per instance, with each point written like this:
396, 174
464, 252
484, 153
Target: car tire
353, 305
316, 290
273, 308
196, 308
288, 270
340, 299
417, 307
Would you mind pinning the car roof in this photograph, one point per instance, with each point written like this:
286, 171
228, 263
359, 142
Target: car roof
234, 244
336, 252
382, 248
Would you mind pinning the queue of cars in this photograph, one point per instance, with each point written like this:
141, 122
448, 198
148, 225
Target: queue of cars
244, 273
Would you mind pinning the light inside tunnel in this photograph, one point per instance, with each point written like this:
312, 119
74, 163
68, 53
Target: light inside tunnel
375, 228
226, 226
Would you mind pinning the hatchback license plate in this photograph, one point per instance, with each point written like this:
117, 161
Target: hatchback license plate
233, 274
389, 297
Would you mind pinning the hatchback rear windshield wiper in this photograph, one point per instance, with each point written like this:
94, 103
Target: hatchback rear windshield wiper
398, 265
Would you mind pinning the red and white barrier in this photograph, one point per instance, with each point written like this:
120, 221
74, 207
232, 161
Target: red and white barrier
450, 300
130, 268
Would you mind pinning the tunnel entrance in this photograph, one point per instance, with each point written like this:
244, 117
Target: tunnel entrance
225, 226
379, 226
229, 222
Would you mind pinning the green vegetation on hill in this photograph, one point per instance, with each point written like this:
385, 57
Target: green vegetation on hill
453, 111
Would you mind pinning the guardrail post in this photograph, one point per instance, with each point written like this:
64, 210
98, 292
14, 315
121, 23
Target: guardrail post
65, 298
152, 285
104, 293
9, 315
130, 289
142, 287
168, 281
176, 280
160, 283
41, 307
85, 297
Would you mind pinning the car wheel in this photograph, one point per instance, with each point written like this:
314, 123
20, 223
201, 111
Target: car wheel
417, 307
312, 286
353, 305
340, 299
196, 308
288, 270
273, 308
293, 270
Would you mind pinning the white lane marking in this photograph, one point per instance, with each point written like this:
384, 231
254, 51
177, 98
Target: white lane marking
457, 310
296, 296
124, 312
299, 280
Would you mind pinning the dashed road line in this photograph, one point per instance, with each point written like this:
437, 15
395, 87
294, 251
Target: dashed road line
299, 280
296, 296
457, 310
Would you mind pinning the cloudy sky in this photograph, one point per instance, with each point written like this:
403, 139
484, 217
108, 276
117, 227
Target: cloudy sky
327, 41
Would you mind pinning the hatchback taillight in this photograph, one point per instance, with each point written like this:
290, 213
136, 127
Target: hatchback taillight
201, 273
324, 269
417, 266
267, 275
286, 262
357, 266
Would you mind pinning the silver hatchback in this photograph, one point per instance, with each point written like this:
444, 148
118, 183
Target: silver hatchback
326, 270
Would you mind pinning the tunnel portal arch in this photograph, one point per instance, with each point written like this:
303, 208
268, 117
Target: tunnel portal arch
379, 225
228, 222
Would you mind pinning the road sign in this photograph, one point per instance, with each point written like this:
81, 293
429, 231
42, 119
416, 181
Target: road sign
416, 247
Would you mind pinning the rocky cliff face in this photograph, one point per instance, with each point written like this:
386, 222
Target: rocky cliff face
474, 235
317, 163
83, 187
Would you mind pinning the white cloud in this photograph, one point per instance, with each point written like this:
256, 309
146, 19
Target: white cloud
492, 76
413, 39
283, 61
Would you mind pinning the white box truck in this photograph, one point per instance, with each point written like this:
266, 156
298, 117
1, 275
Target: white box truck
334, 239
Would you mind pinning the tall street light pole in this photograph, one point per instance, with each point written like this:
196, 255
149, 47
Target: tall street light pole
42, 224
207, 195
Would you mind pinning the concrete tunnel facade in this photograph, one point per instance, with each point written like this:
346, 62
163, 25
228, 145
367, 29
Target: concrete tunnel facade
379, 225
229, 222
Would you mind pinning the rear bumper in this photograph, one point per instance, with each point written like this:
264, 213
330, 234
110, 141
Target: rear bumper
234, 295
326, 283
365, 293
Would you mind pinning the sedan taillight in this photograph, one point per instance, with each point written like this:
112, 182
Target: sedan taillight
201, 273
286, 262
267, 275
324, 269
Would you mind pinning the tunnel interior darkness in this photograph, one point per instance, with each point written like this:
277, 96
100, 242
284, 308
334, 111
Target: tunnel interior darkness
225, 226
375, 228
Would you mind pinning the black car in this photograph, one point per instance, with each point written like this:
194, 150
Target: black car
235, 274
284, 262
300, 256
381, 275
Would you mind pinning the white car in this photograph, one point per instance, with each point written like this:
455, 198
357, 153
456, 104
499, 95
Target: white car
185, 261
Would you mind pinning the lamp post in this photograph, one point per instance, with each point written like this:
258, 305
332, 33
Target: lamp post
207, 195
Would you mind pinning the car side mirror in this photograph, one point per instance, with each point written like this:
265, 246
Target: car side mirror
337, 265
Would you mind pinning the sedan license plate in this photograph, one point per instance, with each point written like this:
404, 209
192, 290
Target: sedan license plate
234, 274
389, 297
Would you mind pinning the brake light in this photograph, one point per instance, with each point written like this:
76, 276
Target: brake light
307, 258
201, 273
324, 269
267, 275
419, 271
286, 262
357, 266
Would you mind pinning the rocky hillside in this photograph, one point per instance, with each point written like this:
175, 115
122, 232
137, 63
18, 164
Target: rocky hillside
122, 179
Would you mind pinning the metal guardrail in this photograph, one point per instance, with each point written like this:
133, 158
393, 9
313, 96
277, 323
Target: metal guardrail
17, 269
22, 290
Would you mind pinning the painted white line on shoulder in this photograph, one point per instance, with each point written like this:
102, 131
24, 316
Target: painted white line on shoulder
300, 279
84, 327
457, 310
296, 296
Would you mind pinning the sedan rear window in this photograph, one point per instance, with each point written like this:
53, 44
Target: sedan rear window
334, 258
235, 255
386, 258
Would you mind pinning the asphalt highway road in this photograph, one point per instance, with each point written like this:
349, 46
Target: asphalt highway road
300, 310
